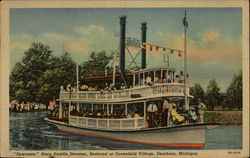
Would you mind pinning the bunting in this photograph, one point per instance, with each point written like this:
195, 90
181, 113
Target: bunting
179, 53
158, 48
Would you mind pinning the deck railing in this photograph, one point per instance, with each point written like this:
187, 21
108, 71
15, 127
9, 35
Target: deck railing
173, 89
106, 123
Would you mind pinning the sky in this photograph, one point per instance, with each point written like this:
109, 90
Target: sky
214, 36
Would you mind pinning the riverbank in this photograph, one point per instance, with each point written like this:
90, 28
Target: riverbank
224, 117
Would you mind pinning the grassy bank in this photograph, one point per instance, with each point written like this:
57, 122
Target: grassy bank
224, 117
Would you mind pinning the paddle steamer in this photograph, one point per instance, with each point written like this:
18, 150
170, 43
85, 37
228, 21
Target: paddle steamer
110, 113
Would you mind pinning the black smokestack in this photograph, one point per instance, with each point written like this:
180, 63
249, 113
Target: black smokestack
122, 43
143, 40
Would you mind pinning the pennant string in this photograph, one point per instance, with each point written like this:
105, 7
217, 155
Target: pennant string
143, 45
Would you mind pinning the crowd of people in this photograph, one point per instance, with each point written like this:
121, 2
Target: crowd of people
107, 86
25, 107
94, 87
173, 115
167, 115
97, 113
179, 78
103, 114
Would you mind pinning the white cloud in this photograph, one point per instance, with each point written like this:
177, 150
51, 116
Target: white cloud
210, 36
86, 40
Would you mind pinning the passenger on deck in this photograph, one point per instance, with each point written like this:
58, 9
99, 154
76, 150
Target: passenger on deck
61, 88
136, 115
156, 79
183, 112
73, 112
181, 79
68, 89
149, 80
129, 116
201, 110
177, 119
164, 80
176, 79
192, 115
160, 80
90, 88
168, 77
123, 86
165, 109
152, 109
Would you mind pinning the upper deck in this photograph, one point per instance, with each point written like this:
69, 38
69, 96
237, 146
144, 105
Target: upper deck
136, 93
162, 79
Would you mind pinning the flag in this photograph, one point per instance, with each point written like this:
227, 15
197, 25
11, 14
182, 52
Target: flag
179, 53
52, 104
185, 23
171, 51
143, 45
151, 48
157, 47
90, 70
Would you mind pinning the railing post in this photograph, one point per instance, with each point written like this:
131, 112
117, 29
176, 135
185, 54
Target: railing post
135, 123
108, 123
97, 123
120, 124
87, 122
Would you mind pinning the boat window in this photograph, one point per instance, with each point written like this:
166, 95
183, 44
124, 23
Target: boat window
135, 110
141, 79
136, 79
118, 111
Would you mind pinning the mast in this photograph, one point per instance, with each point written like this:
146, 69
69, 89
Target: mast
185, 59
77, 78
114, 68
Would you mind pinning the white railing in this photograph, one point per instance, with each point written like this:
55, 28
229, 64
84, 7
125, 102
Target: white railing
173, 89
106, 123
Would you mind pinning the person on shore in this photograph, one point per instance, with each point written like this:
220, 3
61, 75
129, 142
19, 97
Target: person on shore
152, 109
165, 109
201, 110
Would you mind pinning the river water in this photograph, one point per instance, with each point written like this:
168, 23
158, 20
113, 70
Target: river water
28, 131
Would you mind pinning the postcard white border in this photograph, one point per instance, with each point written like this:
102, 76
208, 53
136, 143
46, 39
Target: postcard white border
4, 58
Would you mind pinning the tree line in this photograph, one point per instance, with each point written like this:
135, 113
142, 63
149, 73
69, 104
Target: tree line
214, 99
39, 75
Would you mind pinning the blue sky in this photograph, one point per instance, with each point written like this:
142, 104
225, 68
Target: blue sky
214, 35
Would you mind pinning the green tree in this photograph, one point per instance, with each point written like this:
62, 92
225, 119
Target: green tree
25, 74
61, 73
234, 91
96, 64
212, 94
197, 91
39, 75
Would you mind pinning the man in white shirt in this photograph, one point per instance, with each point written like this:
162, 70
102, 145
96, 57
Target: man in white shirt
152, 109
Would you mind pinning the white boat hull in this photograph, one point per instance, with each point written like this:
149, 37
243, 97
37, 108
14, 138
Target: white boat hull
178, 136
